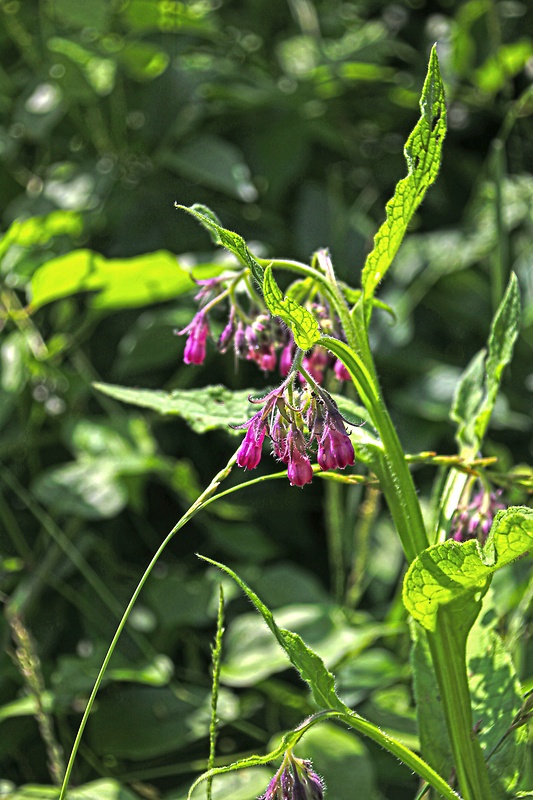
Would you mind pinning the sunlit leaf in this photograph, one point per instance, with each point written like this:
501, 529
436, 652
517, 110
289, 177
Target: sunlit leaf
423, 155
496, 699
104, 789
456, 572
222, 236
118, 283
476, 393
143, 61
302, 323
40, 230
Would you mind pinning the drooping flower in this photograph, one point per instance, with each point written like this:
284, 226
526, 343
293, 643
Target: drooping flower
286, 358
295, 780
228, 333
341, 373
335, 449
299, 469
474, 520
195, 345
249, 454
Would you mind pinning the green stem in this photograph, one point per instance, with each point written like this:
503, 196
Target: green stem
196, 506
472, 775
399, 490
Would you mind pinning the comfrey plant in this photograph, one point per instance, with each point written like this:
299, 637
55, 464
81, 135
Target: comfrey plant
319, 325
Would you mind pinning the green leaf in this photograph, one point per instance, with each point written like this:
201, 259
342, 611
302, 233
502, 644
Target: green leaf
423, 155
203, 409
310, 666
454, 572
476, 393
40, 230
119, 283
228, 239
496, 699
302, 323
434, 740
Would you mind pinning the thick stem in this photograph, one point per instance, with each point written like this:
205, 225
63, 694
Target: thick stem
400, 493
472, 775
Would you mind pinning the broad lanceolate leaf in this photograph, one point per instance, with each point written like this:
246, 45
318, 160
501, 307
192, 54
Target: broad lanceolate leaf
423, 155
119, 283
457, 573
301, 322
476, 393
310, 666
228, 239
203, 409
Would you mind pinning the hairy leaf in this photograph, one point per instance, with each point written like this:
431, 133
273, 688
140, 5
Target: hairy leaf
302, 323
309, 665
454, 572
203, 409
228, 239
313, 671
423, 155
476, 393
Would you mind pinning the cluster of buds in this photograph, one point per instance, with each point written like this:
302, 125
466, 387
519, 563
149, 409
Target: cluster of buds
284, 417
295, 780
254, 335
473, 520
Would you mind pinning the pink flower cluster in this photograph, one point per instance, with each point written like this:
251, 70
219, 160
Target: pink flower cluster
285, 424
255, 336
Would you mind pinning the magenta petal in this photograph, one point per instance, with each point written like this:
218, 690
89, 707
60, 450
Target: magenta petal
249, 454
299, 470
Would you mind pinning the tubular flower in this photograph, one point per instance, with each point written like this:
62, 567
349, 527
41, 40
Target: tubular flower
295, 780
335, 449
299, 470
474, 520
195, 346
294, 420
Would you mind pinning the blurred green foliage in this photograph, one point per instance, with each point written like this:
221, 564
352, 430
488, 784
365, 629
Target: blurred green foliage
287, 118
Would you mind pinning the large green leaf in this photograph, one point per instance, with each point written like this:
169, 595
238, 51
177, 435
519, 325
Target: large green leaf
423, 155
118, 283
476, 393
454, 572
203, 409
302, 323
